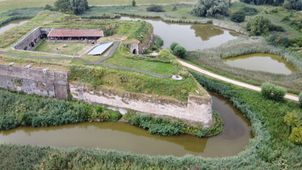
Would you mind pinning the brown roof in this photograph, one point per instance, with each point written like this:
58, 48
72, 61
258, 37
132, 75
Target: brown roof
75, 33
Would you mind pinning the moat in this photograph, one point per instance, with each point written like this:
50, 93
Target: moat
124, 137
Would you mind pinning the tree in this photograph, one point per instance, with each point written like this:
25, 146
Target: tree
205, 8
238, 16
133, 3
293, 4
71, 6
292, 119
273, 92
178, 50
258, 25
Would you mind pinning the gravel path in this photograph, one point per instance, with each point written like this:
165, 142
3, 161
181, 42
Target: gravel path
231, 81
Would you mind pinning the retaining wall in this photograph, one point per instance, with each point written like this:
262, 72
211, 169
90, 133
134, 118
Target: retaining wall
37, 81
198, 109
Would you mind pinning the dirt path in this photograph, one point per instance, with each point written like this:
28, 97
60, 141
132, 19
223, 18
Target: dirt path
228, 80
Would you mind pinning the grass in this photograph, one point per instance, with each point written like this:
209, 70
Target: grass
69, 48
14, 4
98, 77
125, 59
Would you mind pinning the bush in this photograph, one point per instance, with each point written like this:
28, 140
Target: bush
278, 39
249, 11
296, 135
238, 17
155, 8
263, 2
205, 8
300, 99
76, 7
157, 43
157, 126
133, 3
180, 51
173, 45
258, 25
292, 119
273, 92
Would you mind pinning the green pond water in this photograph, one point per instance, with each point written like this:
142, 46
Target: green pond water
124, 137
191, 36
261, 62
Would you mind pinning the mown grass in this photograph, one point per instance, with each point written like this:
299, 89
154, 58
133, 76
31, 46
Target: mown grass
70, 48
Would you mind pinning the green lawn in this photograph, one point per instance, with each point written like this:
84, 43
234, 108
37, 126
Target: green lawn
70, 48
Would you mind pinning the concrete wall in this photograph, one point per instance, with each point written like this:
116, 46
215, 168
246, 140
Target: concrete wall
198, 109
30, 40
35, 81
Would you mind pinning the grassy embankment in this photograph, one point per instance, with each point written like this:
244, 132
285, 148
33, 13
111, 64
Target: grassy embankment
269, 149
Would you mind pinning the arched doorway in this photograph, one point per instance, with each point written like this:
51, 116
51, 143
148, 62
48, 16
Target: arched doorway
134, 51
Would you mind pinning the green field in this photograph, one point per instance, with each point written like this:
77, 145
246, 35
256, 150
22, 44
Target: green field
70, 48
14, 4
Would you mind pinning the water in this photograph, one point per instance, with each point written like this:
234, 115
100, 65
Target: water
12, 25
123, 137
191, 36
261, 62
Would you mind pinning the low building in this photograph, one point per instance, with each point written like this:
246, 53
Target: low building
75, 34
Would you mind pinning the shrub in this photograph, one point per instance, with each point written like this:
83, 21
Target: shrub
278, 39
133, 3
179, 51
238, 17
273, 92
249, 11
77, 7
296, 135
156, 125
49, 7
258, 25
262, 2
292, 119
157, 43
155, 8
205, 8
300, 99
173, 45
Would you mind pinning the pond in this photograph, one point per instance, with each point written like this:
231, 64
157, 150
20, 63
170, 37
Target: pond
191, 36
12, 25
261, 62
124, 137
